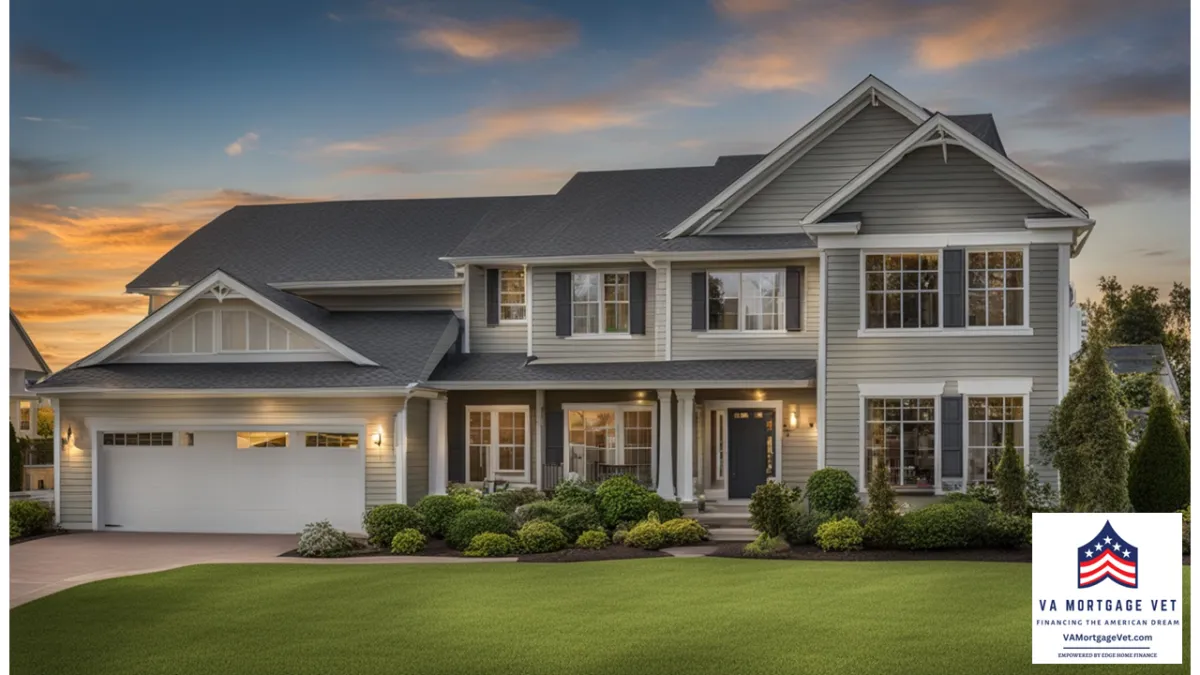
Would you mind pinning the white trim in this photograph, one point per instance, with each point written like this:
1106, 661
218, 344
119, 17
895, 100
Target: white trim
623, 384
529, 313
400, 450
667, 301
739, 334
901, 389
871, 86
1034, 223
466, 308
105, 392
864, 472
822, 366
863, 331
665, 467
1025, 265
998, 386
618, 410
846, 227
966, 422
234, 357
353, 284
493, 467
917, 241
599, 336
705, 256
58, 450
543, 260
741, 330
1064, 315
978, 331
524, 294
539, 435
602, 333
772, 404
685, 450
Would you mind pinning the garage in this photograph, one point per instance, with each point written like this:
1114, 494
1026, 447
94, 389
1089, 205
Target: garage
262, 480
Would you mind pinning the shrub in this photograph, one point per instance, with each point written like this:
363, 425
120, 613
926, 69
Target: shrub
438, 511
592, 539
1007, 530
648, 534
1187, 529
14, 530
667, 509
454, 489
1159, 470
408, 542
30, 517
766, 546
618, 535
843, 534
802, 530
960, 524
541, 537
384, 521
491, 545
16, 461
955, 497
831, 490
323, 540
469, 523
1010, 481
621, 499
507, 501
882, 517
683, 531
575, 491
573, 519
771, 507
985, 493
1041, 497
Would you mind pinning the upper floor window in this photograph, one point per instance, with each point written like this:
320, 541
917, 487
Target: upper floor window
26, 420
901, 290
512, 294
599, 303
230, 330
996, 288
746, 301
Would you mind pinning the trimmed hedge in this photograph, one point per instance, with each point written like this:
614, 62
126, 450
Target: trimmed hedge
843, 534
960, 524
623, 500
574, 519
683, 531
648, 534
408, 542
384, 521
541, 537
576, 492
440, 510
831, 490
592, 539
469, 523
28, 517
507, 501
491, 545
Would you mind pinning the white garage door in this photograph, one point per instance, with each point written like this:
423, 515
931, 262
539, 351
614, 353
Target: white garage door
157, 482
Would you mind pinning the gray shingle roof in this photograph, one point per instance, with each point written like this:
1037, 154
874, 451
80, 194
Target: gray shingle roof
513, 368
1126, 359
983, 127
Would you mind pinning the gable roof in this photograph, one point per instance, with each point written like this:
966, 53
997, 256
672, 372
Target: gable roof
983, 127
15, 322
1126, 359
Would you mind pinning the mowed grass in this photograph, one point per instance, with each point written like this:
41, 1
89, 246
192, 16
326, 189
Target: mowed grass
690, 616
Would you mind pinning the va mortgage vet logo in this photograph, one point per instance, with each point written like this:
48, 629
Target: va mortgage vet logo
1101, 598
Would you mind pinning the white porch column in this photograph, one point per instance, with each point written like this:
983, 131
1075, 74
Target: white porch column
666, 489
400, 449
686, 436
58, 450
539, 460
439, 446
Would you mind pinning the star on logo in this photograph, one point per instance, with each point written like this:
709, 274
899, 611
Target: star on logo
1089, 554
1116, 547
1108, 540
1099, 547
1125, 553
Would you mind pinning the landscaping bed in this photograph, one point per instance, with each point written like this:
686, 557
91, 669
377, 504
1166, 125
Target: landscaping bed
34, 537
589, 555
1014, 555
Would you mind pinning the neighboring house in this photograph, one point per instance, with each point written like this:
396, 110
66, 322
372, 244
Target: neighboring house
26, 366
1126, 359
886, 283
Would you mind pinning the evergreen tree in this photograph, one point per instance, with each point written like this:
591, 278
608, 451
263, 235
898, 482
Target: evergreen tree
1159, 471
881, 506
16, 460
1010, 481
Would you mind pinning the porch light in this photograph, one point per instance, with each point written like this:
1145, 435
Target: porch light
377, 438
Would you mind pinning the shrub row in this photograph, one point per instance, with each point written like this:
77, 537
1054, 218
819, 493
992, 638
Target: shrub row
27, 518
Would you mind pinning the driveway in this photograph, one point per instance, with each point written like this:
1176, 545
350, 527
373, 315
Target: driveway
44, 566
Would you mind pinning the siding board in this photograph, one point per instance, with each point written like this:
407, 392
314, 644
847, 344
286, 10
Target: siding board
505, 338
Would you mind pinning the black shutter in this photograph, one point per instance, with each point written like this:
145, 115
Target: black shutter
493, 297
795, 298
954, 301
554, 437
562, 304
952, 436
700, 301
637, 303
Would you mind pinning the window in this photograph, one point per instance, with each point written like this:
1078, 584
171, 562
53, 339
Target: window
497, 442
25, 422
321, 439
262, 439
746, 301
639, 441
600, 303
512, 294
991, 422
996, 288
902, 432
902, 290
605, 441
157, 438
187, 439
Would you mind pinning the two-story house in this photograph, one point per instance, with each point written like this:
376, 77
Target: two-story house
26, 366
886, 284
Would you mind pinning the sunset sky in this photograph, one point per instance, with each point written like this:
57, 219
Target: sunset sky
134, 123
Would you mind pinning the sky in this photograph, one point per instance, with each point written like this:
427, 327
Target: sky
133, 123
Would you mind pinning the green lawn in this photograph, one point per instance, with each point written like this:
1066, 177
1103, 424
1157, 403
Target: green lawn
647, 616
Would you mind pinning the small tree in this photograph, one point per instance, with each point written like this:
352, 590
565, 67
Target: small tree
16, 460
45, 422
1010, 481
1159, 470
881, 506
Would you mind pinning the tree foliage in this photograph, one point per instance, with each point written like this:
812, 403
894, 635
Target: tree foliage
1010, 480
45, 422
16, 460
1159, 470
882, 515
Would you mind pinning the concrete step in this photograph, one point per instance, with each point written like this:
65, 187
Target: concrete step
724, 519
732, 534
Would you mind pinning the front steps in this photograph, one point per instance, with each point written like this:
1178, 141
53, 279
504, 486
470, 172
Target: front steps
725, 521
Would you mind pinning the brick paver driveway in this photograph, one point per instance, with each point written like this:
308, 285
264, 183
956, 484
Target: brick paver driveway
45, 566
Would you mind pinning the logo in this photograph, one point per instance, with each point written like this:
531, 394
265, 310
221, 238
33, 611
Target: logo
1108, 556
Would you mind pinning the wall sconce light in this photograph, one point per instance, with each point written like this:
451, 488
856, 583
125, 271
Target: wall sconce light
377, 438
759, 395
70, 435
791, 421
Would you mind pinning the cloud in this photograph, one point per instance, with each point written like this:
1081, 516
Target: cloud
1093, 177
514, 39
244, 142
751, 7
69, 309
1134, 93
34, 171
42, 61
592, 113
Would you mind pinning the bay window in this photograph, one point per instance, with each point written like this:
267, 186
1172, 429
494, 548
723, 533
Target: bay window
902, 432
746, 301
605, 440
991, 422
996, 288
901, 290
497, 443
599, 303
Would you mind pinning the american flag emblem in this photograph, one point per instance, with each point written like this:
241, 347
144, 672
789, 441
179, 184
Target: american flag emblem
1107, 556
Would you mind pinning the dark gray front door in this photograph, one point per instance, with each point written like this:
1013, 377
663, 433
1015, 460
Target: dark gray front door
751, 437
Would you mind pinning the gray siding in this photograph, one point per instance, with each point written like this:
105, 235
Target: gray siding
548, 347
821, 171
687, 344
440, 298
503, 338
417, 450
851, 359
924, 193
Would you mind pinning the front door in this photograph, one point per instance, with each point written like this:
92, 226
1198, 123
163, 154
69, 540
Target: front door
751, 450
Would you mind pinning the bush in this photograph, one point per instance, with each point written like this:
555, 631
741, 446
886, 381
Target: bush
962, 524
683, 531
573, 519
985, 493
541, 537
771, 507
882, 517
1010, 481
831, 490
439, 510
575, 491
766, 546
1187, 529
1007, 530
455, 489
667, 509
408, 542
469, 523
384, 521
802, 530
507, 501
16, 462
648, 534
618, 535
29, 517
1159, 472
14, 530
323, 540
1041, 497
592, 539
491, 545
843, 534
621, 499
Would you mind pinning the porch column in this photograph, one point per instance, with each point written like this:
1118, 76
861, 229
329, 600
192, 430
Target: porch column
439, 446
539, 461
684, 481
666, 489
400, 452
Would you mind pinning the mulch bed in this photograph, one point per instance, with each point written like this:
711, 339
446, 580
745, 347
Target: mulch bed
434, 548
1020, 555
612, 552
34, 537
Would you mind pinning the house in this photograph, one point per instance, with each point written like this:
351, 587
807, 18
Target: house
885, 283
26, 366
1127, 359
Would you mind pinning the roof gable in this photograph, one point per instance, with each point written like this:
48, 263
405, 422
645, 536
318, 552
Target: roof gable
22, 353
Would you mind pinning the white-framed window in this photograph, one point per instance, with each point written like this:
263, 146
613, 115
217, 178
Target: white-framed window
751, 300
512, 294
262, 439
901, 290
236, 331
996, 287
498, 443
25, 422
187, 439
608, 440
991, 422
599, 303
326, 439
148, 438
902, 431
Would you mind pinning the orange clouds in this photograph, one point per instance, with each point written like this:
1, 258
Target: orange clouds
509, 39
490, 126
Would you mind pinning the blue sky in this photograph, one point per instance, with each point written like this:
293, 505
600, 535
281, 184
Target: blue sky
134, 123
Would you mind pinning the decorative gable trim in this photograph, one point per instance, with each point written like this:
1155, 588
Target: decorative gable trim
220, 286
16, 322
871, 91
